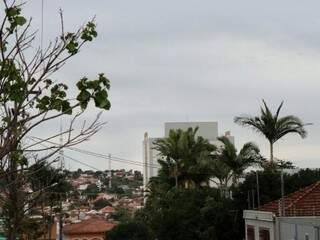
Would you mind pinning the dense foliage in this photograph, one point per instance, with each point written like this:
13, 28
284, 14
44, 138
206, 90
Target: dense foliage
269, 185
198, 213
129, 231
100, 203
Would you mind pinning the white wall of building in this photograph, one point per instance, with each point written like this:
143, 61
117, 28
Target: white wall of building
207, 130
298, 228
282, 228
150, 162
260, 220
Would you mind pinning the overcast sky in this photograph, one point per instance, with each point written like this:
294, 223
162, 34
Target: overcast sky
191, 60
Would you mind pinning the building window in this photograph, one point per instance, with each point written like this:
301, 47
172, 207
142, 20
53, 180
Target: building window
264, 234
250, 232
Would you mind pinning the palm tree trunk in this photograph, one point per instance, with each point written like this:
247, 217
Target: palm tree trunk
271, 152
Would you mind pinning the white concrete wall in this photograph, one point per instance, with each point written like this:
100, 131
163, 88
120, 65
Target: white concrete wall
207, 130
298, 228
150, 160
283, 228
260, 219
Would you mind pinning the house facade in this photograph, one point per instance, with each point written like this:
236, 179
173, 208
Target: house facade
295, 217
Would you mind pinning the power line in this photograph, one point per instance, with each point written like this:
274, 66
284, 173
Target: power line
116, 159
99, 155
82, 163
88, 165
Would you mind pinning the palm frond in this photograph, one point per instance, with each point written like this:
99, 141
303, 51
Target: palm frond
271, 125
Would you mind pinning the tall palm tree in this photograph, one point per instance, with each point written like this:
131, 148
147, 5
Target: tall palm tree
170, 153
272, 126
230, 165
182, 154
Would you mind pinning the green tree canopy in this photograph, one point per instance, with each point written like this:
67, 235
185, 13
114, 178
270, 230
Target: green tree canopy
129, 231
197, 213
91, 191
184, 156
229, 165
101, 203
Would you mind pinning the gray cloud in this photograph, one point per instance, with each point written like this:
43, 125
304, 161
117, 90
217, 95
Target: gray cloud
196, 60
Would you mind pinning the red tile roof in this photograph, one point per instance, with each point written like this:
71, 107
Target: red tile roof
107, 209
92, 225
304, 202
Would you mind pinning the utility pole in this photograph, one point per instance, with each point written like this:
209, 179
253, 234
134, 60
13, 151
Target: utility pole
110, 174
258, 189
253, 203
145, 166
282, 195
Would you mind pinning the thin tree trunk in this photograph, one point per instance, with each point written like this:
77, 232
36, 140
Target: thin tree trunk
176, 180
176, 176
13, 199
271, 152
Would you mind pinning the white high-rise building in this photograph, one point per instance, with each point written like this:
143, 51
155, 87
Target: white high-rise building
207, 130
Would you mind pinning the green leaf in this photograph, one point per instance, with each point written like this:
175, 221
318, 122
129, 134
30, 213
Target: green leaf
43, 103
56, 104
104, 80
66, 108
84, 105
82, 83
17, 91
83, 96
93, 84
101, 100
20, 21
12, 11
72, 47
